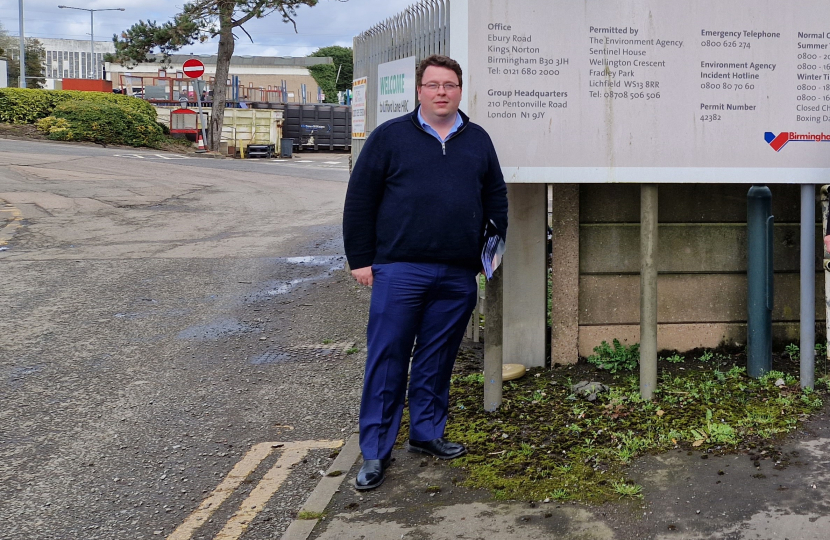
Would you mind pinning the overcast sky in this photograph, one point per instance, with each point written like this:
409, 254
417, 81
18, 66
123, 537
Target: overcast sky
330, 22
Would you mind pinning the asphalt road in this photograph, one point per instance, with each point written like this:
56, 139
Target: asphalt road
310, 165
166, 324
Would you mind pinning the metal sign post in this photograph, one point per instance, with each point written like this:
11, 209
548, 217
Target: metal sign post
199, 86
807, 341
194, 69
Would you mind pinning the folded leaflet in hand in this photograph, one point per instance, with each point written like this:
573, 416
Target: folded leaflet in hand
492, 251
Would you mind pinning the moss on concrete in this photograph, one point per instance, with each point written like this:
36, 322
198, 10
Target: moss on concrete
547, 443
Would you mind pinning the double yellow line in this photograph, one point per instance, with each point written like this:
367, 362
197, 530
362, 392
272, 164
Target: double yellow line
12, 215
292, 453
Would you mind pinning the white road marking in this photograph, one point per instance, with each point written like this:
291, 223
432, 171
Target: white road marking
151, 156
292, 453
304, 161
332, 162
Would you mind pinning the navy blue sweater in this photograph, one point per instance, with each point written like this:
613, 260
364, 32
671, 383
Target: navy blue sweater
412, 199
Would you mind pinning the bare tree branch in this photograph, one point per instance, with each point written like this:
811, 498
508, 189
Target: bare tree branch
246, 33
288, 17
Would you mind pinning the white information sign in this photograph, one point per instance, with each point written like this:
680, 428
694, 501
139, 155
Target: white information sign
359, 108
396, 89
650, 90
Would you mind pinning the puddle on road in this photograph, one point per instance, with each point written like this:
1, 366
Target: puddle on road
323, 266
17, 375
215, 330
309, 268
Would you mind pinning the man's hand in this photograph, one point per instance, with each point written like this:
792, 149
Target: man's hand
827, 243
364, 275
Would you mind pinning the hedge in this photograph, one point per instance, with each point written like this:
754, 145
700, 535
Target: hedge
26, 106
102, 122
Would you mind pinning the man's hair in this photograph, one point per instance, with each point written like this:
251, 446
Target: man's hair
438, 60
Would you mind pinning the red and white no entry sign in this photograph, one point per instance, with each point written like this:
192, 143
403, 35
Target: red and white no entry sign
193, 68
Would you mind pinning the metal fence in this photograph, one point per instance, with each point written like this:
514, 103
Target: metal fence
421, 30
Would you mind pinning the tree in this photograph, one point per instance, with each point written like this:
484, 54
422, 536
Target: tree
35, 56
327, 76
201, 20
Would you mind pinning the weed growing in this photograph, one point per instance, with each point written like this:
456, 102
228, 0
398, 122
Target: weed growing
793, 351
545, 442
616, 359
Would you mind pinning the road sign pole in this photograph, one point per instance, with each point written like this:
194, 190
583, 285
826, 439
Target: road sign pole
194, 68
199, 101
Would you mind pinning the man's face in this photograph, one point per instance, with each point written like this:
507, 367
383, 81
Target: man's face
439, 103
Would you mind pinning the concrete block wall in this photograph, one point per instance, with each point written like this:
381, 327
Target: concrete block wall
702, 291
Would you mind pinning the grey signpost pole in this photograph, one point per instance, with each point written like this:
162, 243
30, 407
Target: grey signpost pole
759, 277
808, 285
648, 290
199, 84
825, 267
493, 350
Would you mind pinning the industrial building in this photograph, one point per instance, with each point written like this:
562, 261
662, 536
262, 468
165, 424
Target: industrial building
259, 75
259, 78
73, 58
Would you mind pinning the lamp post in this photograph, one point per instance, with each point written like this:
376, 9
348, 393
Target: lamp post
93, 72
21, 79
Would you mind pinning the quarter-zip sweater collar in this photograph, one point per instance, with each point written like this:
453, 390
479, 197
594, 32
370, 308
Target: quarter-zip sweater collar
422, 123
431, 130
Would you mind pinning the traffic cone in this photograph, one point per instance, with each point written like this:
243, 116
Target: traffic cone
200, 144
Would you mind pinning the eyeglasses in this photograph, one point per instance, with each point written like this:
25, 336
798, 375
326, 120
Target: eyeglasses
448, 87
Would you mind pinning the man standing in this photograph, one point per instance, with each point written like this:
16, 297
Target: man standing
416, 207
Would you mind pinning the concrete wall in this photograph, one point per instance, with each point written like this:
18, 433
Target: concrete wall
701, 263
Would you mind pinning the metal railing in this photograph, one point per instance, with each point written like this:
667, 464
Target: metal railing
421, 30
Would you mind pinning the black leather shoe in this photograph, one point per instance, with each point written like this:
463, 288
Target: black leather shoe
440, 448
371, 474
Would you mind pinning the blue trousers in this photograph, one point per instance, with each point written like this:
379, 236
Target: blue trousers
428, 301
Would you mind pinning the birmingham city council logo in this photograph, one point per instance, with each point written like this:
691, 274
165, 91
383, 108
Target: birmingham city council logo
777, 142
